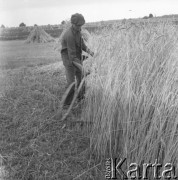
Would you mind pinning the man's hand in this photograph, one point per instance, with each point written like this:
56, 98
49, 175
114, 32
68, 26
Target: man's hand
84, 57
91, 53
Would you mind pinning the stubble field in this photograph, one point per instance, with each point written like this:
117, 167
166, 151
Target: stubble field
33, 143
17, 53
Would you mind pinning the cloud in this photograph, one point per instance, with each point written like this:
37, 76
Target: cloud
22, 4
12, 12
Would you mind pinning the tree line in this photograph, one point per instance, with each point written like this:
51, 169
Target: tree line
64, 22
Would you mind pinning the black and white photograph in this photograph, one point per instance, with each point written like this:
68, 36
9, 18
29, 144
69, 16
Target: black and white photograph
88, 89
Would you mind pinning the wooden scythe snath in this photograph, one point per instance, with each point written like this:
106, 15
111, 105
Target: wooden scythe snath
79, 66
73, 100
71, 93
68, 93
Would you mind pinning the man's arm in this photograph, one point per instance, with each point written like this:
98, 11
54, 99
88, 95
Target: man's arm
72, 49
86, 49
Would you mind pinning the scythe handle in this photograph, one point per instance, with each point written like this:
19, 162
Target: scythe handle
78, 66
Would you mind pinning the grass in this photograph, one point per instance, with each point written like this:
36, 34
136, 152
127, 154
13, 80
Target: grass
34, 144
16, 54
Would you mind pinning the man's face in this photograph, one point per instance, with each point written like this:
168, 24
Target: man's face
77, 27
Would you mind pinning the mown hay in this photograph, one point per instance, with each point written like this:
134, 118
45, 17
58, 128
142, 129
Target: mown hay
39, 35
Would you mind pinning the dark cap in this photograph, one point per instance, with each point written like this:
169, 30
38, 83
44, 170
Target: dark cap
77, 19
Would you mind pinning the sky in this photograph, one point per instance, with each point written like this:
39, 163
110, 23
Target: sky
44, 12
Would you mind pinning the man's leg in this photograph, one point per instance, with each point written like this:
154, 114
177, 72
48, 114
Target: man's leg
78, 74
70, 74
70, 77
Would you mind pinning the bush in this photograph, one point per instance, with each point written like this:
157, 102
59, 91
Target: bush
22, 25
2, 26
145, 17
150, 15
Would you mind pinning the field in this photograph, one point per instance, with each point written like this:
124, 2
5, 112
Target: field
15, 54
33, 144
21, 33
130, 108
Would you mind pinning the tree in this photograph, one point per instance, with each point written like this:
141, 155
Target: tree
63, 22
150, 15
22, 25
145, 17
2, 26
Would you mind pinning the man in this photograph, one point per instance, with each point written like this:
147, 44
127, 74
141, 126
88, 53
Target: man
72, 46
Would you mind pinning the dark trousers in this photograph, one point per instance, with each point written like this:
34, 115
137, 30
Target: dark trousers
72, 73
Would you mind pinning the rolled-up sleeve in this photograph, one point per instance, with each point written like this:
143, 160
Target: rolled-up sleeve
72, 52
84, 47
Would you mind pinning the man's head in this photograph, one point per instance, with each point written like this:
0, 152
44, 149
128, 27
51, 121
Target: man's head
77, 21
